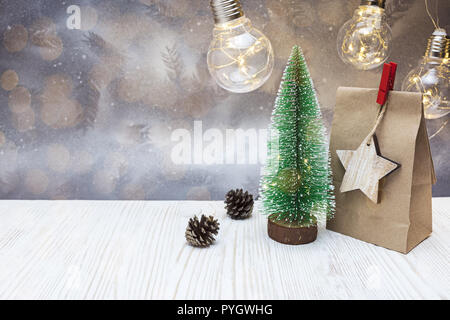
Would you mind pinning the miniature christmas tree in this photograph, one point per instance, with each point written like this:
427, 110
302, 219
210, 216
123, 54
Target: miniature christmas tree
296, 187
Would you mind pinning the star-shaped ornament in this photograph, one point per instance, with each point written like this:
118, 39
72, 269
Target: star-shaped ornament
364, 168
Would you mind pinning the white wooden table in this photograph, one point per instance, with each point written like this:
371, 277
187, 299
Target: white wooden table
137, 250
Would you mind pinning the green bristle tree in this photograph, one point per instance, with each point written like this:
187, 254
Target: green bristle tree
296, 186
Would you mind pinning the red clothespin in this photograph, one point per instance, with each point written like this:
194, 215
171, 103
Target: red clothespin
387, 82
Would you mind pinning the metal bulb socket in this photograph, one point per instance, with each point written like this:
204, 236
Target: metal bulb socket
226, 10
438, 45
378, 3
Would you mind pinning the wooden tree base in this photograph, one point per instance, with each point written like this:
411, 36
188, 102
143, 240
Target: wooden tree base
288, 234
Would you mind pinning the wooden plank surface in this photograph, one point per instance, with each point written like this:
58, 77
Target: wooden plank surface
136, 250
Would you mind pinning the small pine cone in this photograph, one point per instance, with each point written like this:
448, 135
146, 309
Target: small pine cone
239, 205
200, 233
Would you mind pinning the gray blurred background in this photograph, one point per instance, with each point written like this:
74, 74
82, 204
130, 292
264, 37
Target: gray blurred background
88, 114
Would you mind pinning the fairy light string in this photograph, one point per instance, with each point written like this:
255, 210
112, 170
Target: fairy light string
435, 22
434, 65
368, 19
225, 43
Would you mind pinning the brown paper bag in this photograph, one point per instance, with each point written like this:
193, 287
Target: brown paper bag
402, 218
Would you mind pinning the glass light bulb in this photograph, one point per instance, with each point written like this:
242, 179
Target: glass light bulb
365, 40
240, 57
431, 78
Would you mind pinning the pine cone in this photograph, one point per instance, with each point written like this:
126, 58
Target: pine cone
239, 205
200, 233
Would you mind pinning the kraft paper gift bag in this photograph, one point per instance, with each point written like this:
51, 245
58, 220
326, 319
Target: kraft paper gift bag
402, 217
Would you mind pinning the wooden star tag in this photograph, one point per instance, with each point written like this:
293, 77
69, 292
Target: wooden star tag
364, 168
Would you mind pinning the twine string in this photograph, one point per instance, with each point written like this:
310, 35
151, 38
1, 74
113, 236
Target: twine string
377, 123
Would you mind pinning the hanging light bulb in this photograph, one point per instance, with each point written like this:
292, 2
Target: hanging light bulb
432, 76
365, 40
240, 57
